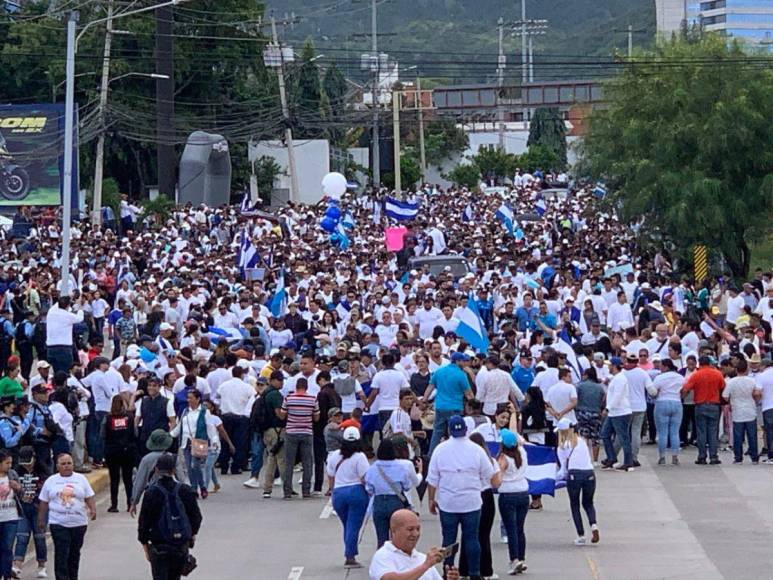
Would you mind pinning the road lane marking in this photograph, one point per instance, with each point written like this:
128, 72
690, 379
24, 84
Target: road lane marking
327, 510
295, 573
594, 568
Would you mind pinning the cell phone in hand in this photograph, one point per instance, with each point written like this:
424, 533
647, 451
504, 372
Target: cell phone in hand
449, 551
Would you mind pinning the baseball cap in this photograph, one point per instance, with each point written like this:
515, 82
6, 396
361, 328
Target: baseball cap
457, 427
165, 326
616, 360
351, 434
333, 411
343, 365
459, 357
43, 365
509, 439
598, 356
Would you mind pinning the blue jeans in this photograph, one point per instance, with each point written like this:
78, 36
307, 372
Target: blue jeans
668, 419
195, 467
237, 427
256, 450
383, 508
28, 525
513, 508
60, 358
707, 422
767, 420
449, 524
7, 536
209, 467
440, 429
620, 427
350, 503
748, 428
96, 442
582, 482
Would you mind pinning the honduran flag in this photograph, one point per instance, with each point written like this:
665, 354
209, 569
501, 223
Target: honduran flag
278, 305
507, 217
401, 210
542, 469
471, 328
540, 207
467, 215
600, 190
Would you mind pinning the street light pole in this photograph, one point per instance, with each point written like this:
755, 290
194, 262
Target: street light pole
422, 153
376, 80
286, 113
100, 156
69, 122
396, 140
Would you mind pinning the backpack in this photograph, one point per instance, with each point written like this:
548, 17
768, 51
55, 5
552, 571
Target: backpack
260, 415
39, 333
344, 386
181, 401
73, 403
173, 523
20, 335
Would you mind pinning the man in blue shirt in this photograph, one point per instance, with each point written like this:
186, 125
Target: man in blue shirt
526, 314
451, 387
523, 372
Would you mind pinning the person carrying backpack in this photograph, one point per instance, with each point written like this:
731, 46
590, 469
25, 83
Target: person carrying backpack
168, 523
257, 424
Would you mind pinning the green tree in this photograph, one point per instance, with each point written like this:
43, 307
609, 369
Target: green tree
538, 157
493, 162
685, 144
547, 129
307, 96
334, 86
266, 170
410, 171
442, 140
465, 175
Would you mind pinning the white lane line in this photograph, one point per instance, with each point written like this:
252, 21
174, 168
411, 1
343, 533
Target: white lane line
295, 573
327, 511
594, 568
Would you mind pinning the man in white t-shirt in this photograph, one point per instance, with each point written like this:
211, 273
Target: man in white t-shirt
399, 556
764, 382
742, 393
385, 388
428, 317
562, 397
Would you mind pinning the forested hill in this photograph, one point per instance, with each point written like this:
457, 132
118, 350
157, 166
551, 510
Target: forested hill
443, 37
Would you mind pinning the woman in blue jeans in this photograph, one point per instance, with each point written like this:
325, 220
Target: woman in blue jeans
195, 423
514, 497
389, 481
31, 478
667, 389
347, 466
9, 513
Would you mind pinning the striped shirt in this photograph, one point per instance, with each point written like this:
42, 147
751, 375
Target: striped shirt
300, 409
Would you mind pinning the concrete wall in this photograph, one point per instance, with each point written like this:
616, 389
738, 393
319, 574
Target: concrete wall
312, 160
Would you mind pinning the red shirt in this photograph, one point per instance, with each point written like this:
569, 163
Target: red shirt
707, 382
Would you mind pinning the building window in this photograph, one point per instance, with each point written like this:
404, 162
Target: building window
581, 93
567, 94
551, 94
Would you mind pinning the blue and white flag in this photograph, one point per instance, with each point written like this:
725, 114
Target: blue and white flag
507, 217
471, 327
248, 255
519, 235
564, 344
348, 220
467, 215
278, 305
540, 207
401, 210
231, 334
246, 204
600, 190
542, 469
340, 237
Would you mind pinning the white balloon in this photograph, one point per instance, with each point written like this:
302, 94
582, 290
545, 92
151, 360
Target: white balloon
334, 185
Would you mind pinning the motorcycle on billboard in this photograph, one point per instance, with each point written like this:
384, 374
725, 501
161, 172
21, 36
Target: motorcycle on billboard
14, 180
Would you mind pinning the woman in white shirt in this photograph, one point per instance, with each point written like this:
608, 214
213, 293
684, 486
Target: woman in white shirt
577, 469
210, 473
195, 425
514, 497
667, 389
347, 467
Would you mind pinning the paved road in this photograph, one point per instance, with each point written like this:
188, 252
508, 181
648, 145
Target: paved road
658, 522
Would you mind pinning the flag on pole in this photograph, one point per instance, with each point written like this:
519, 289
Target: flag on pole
541, 207
278, 305
401, 210
506, 216
471, 327
246, 202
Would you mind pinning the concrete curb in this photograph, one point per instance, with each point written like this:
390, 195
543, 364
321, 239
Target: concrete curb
99, 480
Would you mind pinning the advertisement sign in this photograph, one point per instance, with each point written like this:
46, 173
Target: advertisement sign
32, 155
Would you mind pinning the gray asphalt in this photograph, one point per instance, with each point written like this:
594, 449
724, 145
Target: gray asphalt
657, 522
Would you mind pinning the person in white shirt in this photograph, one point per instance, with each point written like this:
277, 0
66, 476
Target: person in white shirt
620, 316
742, 393
513, 497
234, 395
735, 304
59, 325
618, 418
562, 398
667, 389
638, 383
764, 382
386, 330
458, 470
577, 470
385, 389
496, 387
399, 556
428, 318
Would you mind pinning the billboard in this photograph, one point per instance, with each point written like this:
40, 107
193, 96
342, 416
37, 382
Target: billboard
32, 155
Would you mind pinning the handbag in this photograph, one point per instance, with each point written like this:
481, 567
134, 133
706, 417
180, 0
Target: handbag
189, 565
199, 447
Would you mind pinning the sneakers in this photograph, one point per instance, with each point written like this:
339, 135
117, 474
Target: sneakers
581, 541
252, 482
662, 461
607, 464
624, 468
42, 573
595, 536
516, 567
266, 495
351, 564
316, 494
636, 464
16, 572
716, 461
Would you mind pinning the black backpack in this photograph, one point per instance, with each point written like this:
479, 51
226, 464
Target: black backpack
173, 523
260, 415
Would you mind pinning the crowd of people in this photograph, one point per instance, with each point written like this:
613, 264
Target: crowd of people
359, 367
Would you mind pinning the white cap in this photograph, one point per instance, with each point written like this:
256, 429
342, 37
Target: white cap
165, 326
351, 434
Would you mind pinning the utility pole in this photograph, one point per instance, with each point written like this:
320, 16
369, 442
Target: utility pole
376, 80
523, 65
69, 124
500, 83
422, 153
527, 28
630, 41
100, 156
531, 60
396, 139
165, 150
286, 113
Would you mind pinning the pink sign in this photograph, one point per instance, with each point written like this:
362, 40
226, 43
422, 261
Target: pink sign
395, 238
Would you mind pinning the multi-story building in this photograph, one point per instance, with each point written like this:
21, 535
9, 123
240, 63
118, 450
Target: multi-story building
750, 21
